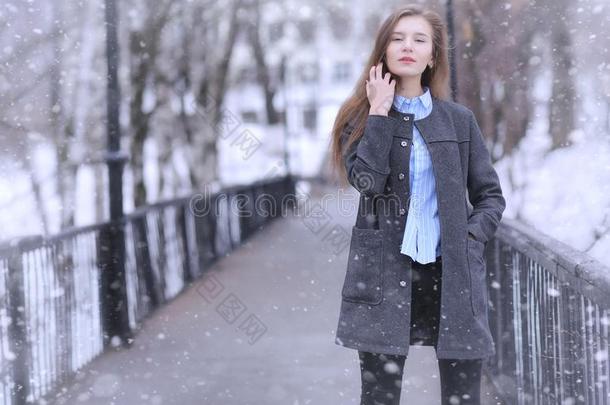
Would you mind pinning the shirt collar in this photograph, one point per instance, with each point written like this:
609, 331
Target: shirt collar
401, 103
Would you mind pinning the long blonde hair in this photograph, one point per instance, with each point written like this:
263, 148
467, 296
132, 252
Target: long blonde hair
355, 109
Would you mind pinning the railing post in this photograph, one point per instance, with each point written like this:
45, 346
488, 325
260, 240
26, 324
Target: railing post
234, 237
17, 330
182, 229
161, 258
113, 291
143, 261
290, 191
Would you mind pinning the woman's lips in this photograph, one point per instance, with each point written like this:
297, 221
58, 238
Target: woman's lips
406, 61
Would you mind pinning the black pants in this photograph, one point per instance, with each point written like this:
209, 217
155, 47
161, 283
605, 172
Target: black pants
381, 374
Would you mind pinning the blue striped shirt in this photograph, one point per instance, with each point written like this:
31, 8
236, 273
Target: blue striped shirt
421, 240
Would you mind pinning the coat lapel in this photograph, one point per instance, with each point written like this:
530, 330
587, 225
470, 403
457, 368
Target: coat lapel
437, 125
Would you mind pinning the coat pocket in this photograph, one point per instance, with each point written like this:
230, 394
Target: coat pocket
363, 278
478, 281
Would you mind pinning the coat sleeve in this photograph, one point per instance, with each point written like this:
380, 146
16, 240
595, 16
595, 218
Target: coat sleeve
484, 190
367, 161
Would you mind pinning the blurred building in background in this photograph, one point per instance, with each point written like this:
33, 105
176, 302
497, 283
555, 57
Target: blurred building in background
319, 49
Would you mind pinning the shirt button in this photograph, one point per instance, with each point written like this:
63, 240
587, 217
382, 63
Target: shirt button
403, 143
406, 118
403, 283
402, 211
401, 176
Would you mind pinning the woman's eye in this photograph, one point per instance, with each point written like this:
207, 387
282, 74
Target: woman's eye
399, 39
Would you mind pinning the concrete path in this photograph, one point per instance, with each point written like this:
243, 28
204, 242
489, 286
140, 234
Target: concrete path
284, 285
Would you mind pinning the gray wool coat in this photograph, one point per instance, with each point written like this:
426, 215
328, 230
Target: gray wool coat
376, 293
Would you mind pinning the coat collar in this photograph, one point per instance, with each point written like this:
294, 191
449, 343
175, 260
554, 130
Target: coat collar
436, 126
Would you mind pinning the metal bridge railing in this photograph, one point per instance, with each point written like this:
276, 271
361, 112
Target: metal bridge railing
549, 313
53, 309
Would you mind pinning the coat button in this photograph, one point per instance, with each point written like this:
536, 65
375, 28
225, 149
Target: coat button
403, 283
402, 211
401, 176
406, 118
403, 143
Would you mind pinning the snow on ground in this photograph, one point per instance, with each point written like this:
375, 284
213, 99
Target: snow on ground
565, 194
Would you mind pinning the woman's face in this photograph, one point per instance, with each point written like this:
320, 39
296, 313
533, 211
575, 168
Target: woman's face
411, 38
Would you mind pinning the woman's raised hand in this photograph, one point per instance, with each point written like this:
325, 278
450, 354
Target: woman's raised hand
380, 91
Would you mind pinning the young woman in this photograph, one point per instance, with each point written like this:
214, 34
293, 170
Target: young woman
430, 200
